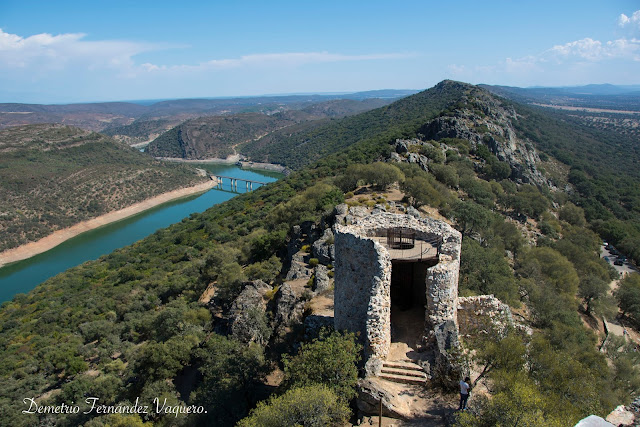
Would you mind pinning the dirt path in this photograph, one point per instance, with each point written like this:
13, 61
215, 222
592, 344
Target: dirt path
49, 242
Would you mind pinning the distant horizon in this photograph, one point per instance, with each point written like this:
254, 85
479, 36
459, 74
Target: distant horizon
152, 101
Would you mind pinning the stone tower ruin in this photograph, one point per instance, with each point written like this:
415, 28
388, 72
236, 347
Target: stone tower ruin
396, 278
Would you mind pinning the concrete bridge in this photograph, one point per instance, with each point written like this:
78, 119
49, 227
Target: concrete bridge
234, 182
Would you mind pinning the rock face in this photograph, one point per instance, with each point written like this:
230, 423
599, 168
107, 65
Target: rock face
363, 282
483, 313
248, 312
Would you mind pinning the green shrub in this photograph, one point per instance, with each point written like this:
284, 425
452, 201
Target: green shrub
313, 406
314, 262
331, 359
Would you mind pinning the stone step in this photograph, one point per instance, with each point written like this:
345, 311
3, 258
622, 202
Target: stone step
402, 364
404, 379
405, 372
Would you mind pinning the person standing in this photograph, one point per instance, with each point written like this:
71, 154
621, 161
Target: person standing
465, 389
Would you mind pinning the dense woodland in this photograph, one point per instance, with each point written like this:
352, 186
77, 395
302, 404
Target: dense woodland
54, 176
129, 324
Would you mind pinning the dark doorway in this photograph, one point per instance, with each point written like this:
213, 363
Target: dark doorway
408, 300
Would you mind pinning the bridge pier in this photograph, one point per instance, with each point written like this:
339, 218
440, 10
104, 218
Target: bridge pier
234, 182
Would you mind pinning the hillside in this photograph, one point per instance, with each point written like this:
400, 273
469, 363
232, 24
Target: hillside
133, 123
217, 310
54, 176
299, 146
217, 136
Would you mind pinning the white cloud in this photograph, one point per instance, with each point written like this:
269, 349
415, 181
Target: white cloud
44, 52
57, 51
594, 50
624, 20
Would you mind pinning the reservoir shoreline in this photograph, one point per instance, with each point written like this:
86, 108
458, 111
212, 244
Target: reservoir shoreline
59, 236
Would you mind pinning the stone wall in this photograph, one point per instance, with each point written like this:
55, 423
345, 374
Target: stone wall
483, 313
362, 292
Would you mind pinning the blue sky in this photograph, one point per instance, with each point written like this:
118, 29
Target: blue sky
63, 51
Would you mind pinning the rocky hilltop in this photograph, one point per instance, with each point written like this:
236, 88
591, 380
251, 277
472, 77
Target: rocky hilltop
480, 119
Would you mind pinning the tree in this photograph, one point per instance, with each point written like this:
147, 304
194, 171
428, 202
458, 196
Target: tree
421, 192
495, 352
628, 296
573, 214
547, 264
516, 401
231, 373
331, 359
528, 201
486, 271
313, 406
382, 175
471, 217
592, 288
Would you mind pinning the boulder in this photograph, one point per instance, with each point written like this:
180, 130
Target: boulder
395, 157
321, 248
321, 279
413, 212
298, 270
621, 416
401, 146
370, 393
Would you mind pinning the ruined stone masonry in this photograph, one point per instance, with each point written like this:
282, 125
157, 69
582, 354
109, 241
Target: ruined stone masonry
365, 263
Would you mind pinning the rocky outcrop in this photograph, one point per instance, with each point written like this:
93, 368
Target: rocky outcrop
323, 248
299, 268
483, 313
247, 315
288, 308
